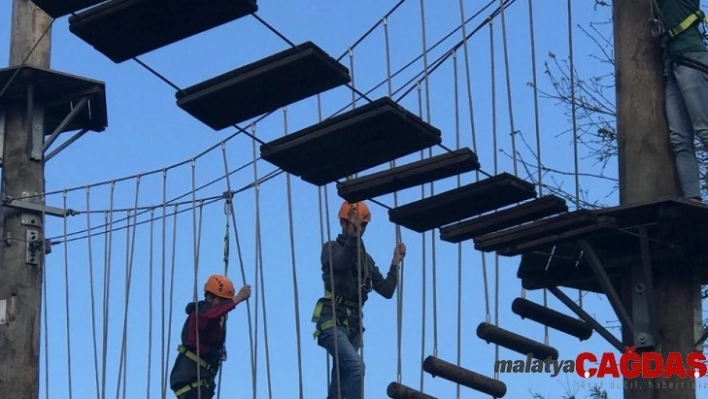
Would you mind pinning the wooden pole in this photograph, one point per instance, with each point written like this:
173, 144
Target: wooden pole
20, 280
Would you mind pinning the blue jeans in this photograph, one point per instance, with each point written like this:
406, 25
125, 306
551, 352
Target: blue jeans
351, 367
687, 115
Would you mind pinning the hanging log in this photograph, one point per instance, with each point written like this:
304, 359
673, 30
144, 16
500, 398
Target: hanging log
551, 318
398, 391
470, 379
515, 342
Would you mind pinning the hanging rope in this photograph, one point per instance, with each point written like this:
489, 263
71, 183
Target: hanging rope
252, 346
195, 296
294, 267
91, 291
399, 294
508, 87
129, 252
172, 288
163, 368
150, 302
424, 265
459, 245
259, 275
66, 298
46, 337
107, 284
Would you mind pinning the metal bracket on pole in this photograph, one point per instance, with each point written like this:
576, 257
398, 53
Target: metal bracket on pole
587, 318
35, 126
7, 310
31, 206
65, 122
643, 295
65, 144
604, 281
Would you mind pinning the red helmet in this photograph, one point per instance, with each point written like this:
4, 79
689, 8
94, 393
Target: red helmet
220, 286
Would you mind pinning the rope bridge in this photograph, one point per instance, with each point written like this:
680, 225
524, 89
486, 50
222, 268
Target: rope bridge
118, 272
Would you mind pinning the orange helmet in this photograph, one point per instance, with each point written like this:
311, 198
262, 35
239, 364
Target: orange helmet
360, 207
220, 286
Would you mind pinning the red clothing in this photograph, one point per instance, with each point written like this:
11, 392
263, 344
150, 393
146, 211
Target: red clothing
211, 321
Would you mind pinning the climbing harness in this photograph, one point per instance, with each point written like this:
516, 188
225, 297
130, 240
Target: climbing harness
193, 357
191, 386
348, 305
659, 30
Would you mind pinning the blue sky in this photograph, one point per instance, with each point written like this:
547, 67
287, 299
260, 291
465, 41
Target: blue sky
148, 132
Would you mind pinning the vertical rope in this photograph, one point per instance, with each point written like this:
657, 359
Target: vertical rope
575, 119
399, 293
508, 87
163, 365
107, 284
150, 301
496, 166
294, 267
459, 245
129, 253
424, 258
195, 296
46, 338
172, 281
91, 288
259, 265
232, 212
335, 366
66, 297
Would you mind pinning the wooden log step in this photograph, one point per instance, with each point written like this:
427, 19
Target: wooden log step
491, 333
352, 142
451, 372
410, 175
59, 8
538, 208
399, 391
551, 318
123, 29
463, 202
263, 86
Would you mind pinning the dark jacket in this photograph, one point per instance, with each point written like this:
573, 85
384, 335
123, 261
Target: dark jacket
343, 254
212, 335
673, 12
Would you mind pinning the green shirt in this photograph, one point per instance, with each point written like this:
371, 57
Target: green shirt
672, 13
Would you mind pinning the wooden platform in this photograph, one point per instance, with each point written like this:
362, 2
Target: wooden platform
123, 29
58, 92
463, 202
263, 86
509, 217
677, 229
352, 142
59, 8
410, 175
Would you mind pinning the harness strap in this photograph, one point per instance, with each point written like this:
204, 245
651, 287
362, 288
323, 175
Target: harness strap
686, 23
193, 357
191, 386
348, 305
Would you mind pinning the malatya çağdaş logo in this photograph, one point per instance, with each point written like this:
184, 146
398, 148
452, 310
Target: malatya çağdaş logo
630, 365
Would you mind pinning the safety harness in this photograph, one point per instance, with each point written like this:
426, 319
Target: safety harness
202, 363
659, 31
348, 306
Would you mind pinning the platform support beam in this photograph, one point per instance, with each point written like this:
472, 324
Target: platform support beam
646, 173
65, 122
21, 254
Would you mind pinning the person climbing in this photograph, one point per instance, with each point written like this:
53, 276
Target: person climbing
206, 321
344, 281
686, 69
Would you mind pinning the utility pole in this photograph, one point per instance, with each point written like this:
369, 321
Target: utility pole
646, 172
21, 278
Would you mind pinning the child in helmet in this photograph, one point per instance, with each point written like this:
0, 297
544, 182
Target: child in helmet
348, 273
207, 320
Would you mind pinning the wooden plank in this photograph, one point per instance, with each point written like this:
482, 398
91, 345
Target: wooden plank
60, 8
604, 224
526, 212
410, 175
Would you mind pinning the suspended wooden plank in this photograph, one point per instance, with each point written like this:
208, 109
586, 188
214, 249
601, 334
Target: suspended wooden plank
540, 228
440, 368
604, 224
59, 92
551, 318
123, 29
399, 391
491, 333
263, 86
410, 175
59, 8
526, 212
470, 200
352, 142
